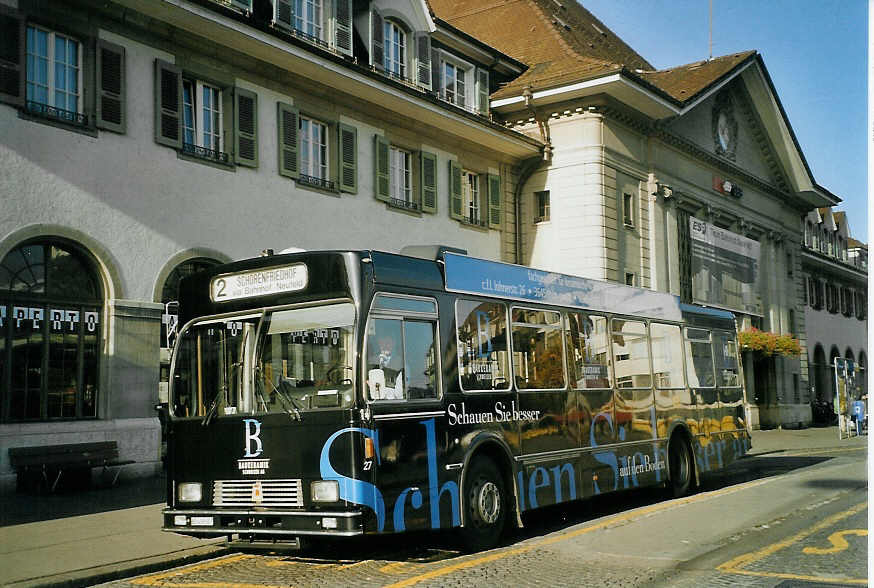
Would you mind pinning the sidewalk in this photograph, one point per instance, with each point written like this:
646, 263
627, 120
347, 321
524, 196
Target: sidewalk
83, 538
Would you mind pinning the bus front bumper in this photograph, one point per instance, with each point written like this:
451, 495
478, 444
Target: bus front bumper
266, 523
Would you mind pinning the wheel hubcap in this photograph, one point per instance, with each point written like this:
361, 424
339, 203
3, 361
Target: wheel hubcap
487, 503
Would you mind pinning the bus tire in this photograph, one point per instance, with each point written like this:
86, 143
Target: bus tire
680, 466
485, 506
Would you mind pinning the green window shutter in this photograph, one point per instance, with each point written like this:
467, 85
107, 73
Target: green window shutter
245, 127
494, 204
348, 172
455, 202
343, 26
168, 104
423, 59
284, 14
428, 176
381, 168
287, 117
377, 50
111, 98
12, 60
482, 91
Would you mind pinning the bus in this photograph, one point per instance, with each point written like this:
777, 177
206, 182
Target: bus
342, 393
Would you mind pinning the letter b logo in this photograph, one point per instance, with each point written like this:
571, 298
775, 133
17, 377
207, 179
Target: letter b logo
253, 432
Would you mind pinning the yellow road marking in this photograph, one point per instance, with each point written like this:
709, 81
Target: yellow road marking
393, 568
748, 558
838, 542
642, 512
156, 579
736, 565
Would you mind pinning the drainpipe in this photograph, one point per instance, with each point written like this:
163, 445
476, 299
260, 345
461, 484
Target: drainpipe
529, 166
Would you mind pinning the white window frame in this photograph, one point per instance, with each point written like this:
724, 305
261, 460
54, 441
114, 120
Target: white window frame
50, 57
471, 196
394, 37
310, 13
628, 210
400, 174
309, 167
213, 140
542, 206
468, 79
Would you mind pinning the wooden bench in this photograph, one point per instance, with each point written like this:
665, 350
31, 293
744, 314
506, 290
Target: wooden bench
49, 459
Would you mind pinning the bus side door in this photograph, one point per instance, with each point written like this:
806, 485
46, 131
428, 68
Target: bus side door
402, 383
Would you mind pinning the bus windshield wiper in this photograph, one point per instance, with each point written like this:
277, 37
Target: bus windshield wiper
213, 406
287, 400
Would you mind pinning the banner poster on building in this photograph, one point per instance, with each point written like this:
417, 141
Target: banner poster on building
725, 268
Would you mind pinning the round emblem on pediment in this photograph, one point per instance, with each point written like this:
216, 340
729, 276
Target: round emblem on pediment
724, 126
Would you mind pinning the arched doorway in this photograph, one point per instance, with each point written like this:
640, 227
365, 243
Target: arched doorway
170, 293
51, 301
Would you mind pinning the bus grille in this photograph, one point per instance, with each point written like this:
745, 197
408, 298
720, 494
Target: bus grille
257, 493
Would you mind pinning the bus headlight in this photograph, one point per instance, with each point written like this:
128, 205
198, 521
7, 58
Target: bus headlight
189, 492
325, 491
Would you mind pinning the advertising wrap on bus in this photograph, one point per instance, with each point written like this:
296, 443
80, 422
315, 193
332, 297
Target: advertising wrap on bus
514, 282
336, 394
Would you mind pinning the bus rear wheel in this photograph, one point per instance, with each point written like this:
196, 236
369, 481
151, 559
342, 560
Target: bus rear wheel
680, 466
485, 506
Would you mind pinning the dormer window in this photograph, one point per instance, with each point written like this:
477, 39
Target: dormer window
454, 84
308, 17
395, 43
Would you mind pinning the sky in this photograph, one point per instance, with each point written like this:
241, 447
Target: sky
815, 51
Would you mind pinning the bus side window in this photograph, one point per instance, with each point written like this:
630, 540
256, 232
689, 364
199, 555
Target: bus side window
699, 359
483, 355
725, 356
537, 352
385, 362
588, 351
401, 354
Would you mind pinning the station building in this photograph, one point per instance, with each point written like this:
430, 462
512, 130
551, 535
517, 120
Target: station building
687, 180
142, 141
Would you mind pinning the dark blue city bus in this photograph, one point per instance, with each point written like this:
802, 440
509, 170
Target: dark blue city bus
343, 393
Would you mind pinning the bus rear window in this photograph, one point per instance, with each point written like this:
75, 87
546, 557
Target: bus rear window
483, 357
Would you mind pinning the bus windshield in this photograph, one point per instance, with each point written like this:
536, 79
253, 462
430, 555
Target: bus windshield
299, 359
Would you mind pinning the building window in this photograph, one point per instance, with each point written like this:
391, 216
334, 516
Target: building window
202, 123
792, 329
51, 304
790, 269
54, 75
454, 84
628, 210
313, 149
308, 17
400, 178
395, 41
470, 196
541, 201
629, 278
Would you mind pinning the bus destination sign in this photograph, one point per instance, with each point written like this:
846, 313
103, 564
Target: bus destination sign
274, 280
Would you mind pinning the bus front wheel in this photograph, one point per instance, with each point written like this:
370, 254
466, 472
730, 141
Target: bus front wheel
485, 506
680, 466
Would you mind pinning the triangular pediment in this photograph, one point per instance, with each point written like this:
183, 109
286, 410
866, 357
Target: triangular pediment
728, 125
